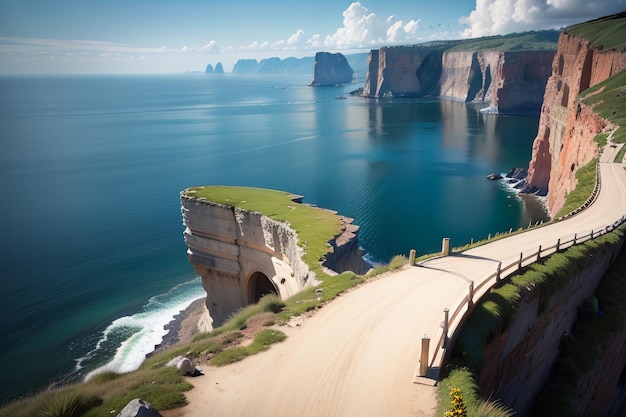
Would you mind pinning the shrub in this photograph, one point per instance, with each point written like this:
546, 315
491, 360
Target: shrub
67, 403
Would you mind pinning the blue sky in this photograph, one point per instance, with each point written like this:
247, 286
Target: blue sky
158, 36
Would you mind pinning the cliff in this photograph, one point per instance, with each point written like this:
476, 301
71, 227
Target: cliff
511, 81
243, 255
568, 125
331, 69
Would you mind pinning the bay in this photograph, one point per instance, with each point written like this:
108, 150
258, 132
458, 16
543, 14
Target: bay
92, 259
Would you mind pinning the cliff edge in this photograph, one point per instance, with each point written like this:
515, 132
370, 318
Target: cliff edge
587, 55
508, 73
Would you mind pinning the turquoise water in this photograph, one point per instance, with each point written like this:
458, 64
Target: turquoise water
92, 257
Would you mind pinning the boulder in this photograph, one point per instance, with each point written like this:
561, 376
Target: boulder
139, 408
184, 366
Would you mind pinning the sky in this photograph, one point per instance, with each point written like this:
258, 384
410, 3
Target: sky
167, 36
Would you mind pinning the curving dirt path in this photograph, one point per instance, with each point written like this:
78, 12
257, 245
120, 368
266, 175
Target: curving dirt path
358, 355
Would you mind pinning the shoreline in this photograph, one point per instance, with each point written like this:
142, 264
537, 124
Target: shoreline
182, 328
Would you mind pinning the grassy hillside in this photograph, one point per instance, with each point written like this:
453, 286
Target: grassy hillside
543, 40
606, 33
608, 100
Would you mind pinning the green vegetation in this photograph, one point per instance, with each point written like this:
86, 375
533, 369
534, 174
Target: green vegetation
544, 40
608, 100
496, 311
262, 341
462, 383
604, 33
163, 388
586, 177
315, 226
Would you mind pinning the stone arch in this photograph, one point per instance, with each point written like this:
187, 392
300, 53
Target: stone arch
258, 286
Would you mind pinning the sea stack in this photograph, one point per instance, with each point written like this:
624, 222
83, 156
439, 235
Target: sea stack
331, 69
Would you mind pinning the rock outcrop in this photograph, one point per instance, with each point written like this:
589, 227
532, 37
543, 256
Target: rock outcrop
567, 126
243, 255
219, 69
209, 69
331, 69
511, 81
139, 408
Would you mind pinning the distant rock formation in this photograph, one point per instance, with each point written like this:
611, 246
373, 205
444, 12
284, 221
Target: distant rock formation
219, 69
274, 65
245, 66
331, 69
209, 69
511, 82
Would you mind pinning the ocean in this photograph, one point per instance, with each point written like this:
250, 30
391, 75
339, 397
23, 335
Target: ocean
92, 258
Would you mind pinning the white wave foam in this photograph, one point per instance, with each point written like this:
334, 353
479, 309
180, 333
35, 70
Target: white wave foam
142, 331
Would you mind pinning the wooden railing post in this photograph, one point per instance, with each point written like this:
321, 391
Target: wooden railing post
424, 356
470, 297
519, 264
574, 238
498, 271
558, 244
444, 325
539, 253
412, 257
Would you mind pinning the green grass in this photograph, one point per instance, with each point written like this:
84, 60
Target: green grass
545, 40
586, 181
315, 226
608, 100
604, 33
263, 340
464, 380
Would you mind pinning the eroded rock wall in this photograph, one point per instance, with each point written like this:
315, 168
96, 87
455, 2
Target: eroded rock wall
239, 253
567, 128
512, 81
521, 359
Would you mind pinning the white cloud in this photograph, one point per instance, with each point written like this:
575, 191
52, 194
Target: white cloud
497, 17
362, 28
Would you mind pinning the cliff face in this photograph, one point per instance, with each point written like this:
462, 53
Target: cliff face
331, 69
567, 127
511, 81
243, 255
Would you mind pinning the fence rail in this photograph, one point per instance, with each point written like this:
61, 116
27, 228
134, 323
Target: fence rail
466, 305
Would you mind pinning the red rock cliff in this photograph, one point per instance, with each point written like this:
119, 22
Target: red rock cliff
511, 81
567, 127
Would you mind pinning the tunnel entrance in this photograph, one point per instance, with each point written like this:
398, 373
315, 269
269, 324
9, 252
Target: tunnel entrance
259, 286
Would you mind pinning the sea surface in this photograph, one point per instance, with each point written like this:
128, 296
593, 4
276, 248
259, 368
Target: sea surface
92, 258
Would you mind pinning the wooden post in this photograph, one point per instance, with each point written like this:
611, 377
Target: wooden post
444, 326
445, 246
519, 264
592, 233
558, 244
498, 271
412, 257
574, 238
424, 356
539, 253
470, 298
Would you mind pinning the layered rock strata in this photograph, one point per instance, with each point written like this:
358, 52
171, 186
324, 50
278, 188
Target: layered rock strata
511, 81
242, 255
567, 127
331, 69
